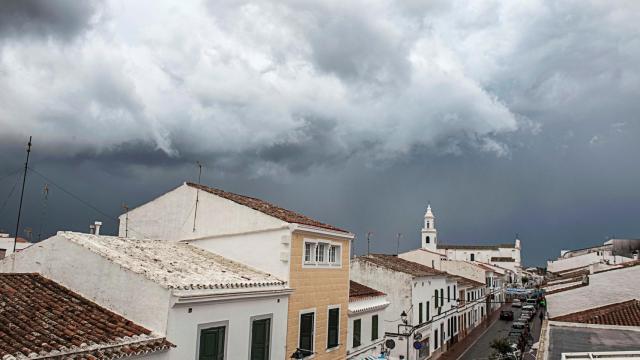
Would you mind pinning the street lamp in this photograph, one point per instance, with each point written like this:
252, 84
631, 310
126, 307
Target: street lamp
403, 317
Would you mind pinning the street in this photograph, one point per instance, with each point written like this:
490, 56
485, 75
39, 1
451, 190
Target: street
499, 329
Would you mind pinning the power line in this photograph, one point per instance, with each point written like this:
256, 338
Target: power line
10, 174
84, 202
6, 200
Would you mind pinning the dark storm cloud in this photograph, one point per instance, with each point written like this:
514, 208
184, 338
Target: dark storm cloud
509, 117
59, 19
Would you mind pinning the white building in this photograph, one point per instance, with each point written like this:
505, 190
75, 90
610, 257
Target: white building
311, 256
504, 255
613, 251
601, 288
199, 301
7, 244
365, 335
422, 306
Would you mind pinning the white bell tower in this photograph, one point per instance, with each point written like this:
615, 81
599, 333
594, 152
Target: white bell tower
429, 232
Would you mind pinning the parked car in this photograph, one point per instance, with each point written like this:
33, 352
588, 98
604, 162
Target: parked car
529, 308
506, 315
518, 325
516, 303
533, 302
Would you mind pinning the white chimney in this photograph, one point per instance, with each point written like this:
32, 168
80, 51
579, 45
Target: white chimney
92, 229
97, 226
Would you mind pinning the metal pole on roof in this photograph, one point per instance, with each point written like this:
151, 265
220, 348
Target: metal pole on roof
126, 219
24, 180
368, 242
195, 214
398, 244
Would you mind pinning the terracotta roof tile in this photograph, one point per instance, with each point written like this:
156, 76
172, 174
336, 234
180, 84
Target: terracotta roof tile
40, 317
626, 313
395, 263
358, 291
267, 208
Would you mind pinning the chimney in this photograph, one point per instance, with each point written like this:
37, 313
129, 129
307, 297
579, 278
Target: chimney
92, 229
97, 225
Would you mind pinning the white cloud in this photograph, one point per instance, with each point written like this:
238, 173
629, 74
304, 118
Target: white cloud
241, 77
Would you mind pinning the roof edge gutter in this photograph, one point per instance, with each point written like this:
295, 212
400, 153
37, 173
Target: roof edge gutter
198, 298
319, 230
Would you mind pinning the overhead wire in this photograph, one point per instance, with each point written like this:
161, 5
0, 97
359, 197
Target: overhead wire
81, 200
6, 200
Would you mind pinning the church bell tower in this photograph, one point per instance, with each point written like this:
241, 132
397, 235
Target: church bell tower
429, 232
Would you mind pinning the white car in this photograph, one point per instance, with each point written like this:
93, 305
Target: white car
516, 303
529, 308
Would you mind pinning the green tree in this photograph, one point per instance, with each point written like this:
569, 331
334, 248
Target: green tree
501, 348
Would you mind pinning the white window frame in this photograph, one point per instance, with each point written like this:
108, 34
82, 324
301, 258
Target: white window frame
339, 327
325, 263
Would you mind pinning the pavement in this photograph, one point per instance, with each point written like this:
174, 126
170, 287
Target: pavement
476, 345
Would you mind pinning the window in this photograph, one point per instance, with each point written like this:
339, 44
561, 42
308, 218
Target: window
260, 339
420, 313
423, 353
374, 327
321, 254
441, 297
320, 249
435, 339
454, 292
473, 257
357, 327
428, 224
212, 343
435, 298
448, 293
427, 239
427, 306
334, 254
305, 342
333, 328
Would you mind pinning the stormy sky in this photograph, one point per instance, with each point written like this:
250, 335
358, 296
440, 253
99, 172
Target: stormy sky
509, 117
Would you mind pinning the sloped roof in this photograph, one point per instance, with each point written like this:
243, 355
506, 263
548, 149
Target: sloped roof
626, 313
395, 263
174, 265
40, 318
463, 281
359, 291
474, 247
267, 208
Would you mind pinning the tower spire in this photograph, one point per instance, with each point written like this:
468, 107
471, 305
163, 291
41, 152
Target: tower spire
429, 232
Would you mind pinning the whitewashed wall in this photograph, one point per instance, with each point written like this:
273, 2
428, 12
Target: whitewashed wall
604, 288
237, 315
583, 260
262, 250
95, 278
170, 217
465, 269
367, 346
6, 243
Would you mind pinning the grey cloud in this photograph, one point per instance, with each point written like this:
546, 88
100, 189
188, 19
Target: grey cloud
64, 18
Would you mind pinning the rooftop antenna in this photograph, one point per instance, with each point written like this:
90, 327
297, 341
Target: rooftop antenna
195, 214
24, 179
369, 242
126, 219
45, 192
398, 243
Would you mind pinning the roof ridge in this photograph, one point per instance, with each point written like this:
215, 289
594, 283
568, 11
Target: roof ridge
266, 208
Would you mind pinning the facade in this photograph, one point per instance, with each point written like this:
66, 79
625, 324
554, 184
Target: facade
40, 318
365, 335
311, 256
206, 305
595, 290
422, 305
613, 251
6, 245
504, 255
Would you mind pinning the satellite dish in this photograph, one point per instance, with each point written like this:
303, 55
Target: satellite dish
390, 344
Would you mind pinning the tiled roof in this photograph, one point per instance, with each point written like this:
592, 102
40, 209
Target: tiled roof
474, 247
41, 319
358, 291
174, 265
463, 281
267, 208
621, 266
566, 288
626, 313
395, 263
433, 252
502, 259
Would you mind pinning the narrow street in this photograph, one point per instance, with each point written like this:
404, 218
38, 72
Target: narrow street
499, 329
